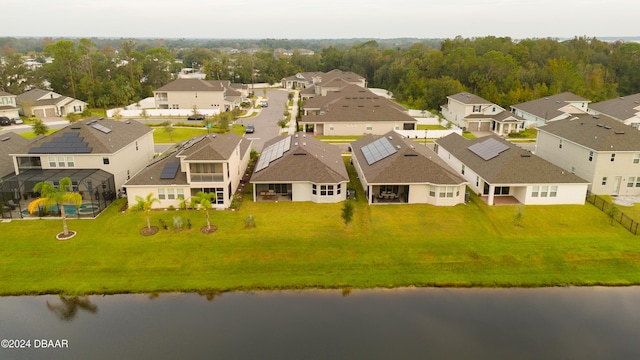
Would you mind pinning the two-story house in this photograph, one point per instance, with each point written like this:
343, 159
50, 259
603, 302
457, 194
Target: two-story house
45, 103
211, 163
625, 109
8, 105
551, 108
473, 113
597, 148
198, 94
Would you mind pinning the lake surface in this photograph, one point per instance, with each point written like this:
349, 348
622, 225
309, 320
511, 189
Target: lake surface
550, 323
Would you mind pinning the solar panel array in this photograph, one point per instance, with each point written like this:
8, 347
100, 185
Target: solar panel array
170, 170
273, 152
378, 150
68, 143
99, 127
488, 149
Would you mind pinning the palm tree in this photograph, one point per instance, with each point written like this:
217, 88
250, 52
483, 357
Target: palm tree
50, 195
145, 204
205, 200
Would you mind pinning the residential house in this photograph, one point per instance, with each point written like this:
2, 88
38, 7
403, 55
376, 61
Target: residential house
476, 114
8, 105
354, 110
300, 168
300, 80
393, 169
10, 142
99, 155
45, 103
323, 82
503, 173
198, 94
600, 149
625, 109
551, 108
213, 163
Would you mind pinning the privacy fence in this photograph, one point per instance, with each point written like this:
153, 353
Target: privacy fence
614, 212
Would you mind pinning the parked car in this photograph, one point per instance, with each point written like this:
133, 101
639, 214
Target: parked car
17, 121
196, 117
250, 129
265, 104
4, 121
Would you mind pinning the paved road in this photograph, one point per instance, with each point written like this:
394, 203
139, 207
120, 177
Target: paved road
266, 122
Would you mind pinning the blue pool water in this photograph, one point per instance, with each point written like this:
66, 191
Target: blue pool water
70, 210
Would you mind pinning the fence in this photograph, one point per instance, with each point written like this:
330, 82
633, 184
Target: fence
616, 215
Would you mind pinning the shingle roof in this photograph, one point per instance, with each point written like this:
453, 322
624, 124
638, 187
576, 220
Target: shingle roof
612, 135
622, 108
510, 166
505, 116
549, 107
412, 164
334, 74
193, 85
122, 134
468, 98
151, 174
32, 95
13, 143
309, 160
4, 93
211, 147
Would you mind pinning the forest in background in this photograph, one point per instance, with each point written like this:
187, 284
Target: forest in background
420, 73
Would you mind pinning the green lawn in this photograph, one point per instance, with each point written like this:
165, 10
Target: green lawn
430, 127
160, 136
305, 245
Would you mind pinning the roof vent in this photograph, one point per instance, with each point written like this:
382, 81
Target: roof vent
304, 143
619, 132
596, 117
398, 147
295, 143
525, 155
299, 153
296, 136
75, 127
599, 125
5, 138
100, 118
621, 97
410, 154
127, 122
607, 127
390, 137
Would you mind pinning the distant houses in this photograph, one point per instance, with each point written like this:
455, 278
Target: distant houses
551, 108
45, 103
476, 114
624, 108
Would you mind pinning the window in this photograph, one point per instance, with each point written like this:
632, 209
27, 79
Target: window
449, 191
590, 155
338, 189
220, 196
535, 191
52, 161
435, 148
128, 174
477, 181
432, 191
462, 171
61, 162
105, 160
631, 181
171, 194
330, 190
604, 181
323, 190
369, 127
161, 195
136, 146
180, 193
560, 144
613, 157
545, 191
554, 191
314, 189
70, 161
636, 158
442, 191
638, 181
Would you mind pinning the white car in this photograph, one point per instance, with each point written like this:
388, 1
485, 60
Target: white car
17, 121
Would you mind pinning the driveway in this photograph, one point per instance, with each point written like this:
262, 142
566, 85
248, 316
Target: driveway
266, 122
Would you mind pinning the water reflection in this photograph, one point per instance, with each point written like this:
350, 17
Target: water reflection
68, 307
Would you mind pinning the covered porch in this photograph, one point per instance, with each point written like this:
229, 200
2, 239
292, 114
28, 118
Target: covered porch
499, 194
389, 194
272, 192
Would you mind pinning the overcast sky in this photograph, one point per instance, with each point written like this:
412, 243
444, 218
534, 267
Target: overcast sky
320, 19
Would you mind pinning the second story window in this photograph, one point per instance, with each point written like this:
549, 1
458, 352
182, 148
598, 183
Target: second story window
590, 155
613, 157
560, 144
636, 158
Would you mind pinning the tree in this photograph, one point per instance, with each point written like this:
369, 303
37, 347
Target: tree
39, 127
347, 212
612, 211
168, 128
145, 204
50, 196
205, 200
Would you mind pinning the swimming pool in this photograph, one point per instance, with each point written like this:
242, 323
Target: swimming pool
71, 210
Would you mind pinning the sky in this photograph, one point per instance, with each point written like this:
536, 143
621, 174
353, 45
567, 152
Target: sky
322, 19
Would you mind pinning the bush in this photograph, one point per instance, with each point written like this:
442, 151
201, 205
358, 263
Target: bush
249, 222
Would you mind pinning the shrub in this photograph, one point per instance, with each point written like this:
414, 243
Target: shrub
249, 222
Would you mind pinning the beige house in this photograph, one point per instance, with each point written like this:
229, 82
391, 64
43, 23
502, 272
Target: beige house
625, 109
198, 94
597, 148
503, 173
300, 80
212, 163
300, 168
10, 143
393, 169
551, 108
476, 114
8, 105
44, 103
319, 83
353, 110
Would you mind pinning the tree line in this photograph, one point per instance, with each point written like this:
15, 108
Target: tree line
420, 74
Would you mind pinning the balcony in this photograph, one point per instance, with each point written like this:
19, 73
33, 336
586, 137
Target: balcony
207, 177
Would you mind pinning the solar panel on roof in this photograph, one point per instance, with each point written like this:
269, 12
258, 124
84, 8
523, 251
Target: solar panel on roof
101, 128
378, 150
170, 170
273, 152
488, 149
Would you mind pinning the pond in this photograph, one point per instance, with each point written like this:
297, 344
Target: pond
550, 323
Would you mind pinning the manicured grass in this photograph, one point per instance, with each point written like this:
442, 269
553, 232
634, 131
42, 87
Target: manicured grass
430, 127
31, 135
160, 136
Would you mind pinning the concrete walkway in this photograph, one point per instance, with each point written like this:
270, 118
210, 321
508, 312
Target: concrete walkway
294, 112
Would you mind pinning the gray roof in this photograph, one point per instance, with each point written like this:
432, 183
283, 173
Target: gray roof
151, 174
621, 108
32, 95
4, 93
122, 134
505, 116
10, 142
471, 99
311, 160
193, 85
212, 147
549, 107
611, 135
347, 76
510, 166
355, 104
413, 163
